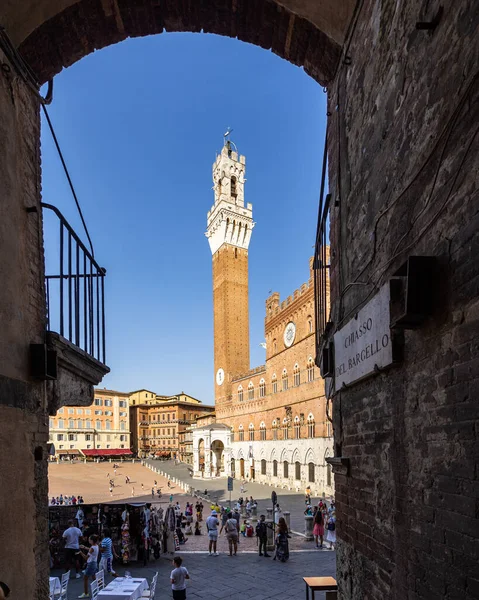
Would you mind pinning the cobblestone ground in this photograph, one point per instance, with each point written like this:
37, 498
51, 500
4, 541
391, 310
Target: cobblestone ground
217, 488
244, 577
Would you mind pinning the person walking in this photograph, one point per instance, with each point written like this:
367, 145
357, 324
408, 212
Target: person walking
91, 557
212, 529
178, 578
282, 545
72, 547
262, 535
318, 529
107, 553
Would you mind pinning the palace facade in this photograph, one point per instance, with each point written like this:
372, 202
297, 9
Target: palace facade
271, 421
93, 430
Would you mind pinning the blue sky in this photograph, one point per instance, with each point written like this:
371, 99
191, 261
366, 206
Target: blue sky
139, 124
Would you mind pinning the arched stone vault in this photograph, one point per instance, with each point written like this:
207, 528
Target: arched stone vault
53, 34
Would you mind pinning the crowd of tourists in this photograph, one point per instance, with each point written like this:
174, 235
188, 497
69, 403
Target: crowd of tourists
62, 500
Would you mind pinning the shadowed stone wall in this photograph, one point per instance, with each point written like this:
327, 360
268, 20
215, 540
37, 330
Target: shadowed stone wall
23, 405
403, 170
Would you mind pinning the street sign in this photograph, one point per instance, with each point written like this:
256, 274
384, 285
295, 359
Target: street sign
274, 498
230, 484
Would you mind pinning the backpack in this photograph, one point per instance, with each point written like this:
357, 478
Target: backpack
231, 526
261, 530
331, 526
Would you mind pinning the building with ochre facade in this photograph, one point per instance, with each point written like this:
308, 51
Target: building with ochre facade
271, 421
96, 430
158, 423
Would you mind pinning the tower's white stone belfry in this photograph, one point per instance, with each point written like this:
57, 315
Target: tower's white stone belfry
229, 220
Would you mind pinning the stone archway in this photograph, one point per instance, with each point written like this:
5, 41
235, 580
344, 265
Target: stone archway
53, 34
217, 458
404, 122
201, 454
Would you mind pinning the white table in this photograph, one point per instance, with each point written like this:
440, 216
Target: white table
122, 588
55, 585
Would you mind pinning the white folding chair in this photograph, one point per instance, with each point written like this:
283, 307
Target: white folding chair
100, 579
63, 593
151, 592
94, 589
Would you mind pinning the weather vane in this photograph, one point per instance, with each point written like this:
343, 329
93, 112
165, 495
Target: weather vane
227, 134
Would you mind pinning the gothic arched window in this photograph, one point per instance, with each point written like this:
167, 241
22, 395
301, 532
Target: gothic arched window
240, 393
284, 380
250, 391
310, 426
296, 375
262, 431
310, 369
262, 388
297, 428
274, 429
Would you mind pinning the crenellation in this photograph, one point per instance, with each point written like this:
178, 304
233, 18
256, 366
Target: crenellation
250, 373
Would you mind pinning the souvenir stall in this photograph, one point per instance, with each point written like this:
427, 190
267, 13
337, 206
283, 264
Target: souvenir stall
136, 529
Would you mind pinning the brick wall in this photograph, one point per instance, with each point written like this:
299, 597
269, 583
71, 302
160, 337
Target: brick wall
23, 403
403, 166
230, 315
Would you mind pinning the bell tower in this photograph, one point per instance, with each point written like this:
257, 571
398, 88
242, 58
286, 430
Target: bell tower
230, 223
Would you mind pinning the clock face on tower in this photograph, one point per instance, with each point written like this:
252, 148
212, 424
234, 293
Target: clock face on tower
289, 334
220, 376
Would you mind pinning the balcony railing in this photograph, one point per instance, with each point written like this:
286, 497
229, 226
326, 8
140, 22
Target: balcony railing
321, 263
76, 292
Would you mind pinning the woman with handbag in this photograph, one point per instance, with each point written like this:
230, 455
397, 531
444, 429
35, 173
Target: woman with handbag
331, 527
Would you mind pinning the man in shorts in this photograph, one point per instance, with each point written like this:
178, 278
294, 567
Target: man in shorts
72, 537
212, 528
107, 553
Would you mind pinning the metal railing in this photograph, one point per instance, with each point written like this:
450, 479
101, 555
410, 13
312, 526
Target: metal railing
321, 261
76, 293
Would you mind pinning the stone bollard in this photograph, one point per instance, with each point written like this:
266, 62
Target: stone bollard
308, 527
269, 514
254, 511
287, 518
270, 530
